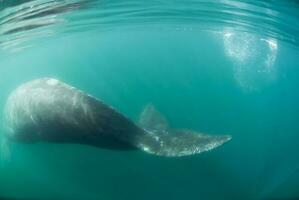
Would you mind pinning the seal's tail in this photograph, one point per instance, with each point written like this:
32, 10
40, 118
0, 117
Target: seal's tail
163, 141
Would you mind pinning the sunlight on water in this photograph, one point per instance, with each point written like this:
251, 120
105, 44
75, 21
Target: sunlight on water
254, 59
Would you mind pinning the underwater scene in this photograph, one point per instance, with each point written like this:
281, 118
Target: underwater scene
143, 100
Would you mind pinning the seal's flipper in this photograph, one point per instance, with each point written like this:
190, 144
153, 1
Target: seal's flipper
151, 119
181, 142
163, 141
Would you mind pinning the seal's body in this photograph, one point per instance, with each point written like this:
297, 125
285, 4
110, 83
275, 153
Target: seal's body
47, 109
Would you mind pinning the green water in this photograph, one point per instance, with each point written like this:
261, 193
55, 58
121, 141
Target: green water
202, 73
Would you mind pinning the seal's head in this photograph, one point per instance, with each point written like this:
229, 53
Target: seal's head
19, 106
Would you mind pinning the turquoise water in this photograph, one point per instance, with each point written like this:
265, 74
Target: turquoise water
218, 67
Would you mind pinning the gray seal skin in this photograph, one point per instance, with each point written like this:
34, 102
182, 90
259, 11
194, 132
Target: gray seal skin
50, 110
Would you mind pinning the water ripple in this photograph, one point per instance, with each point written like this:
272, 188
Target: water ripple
24, 19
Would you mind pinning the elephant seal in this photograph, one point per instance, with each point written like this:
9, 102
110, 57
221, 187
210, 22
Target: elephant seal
47, 109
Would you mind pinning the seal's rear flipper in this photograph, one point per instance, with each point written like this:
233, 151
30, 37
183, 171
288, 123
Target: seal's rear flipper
162, 141
180, 142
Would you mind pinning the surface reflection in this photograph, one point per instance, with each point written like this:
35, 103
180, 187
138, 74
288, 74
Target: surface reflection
18, 24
